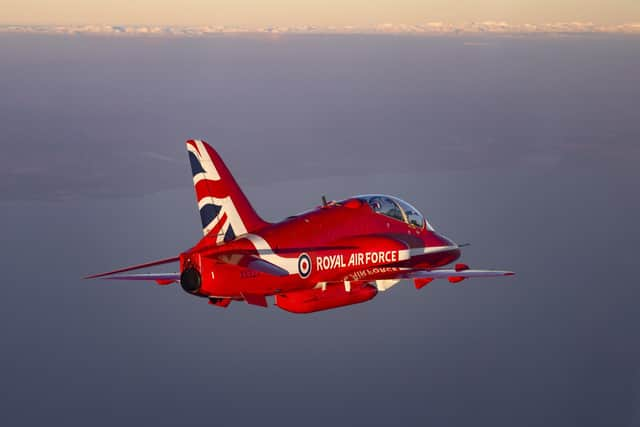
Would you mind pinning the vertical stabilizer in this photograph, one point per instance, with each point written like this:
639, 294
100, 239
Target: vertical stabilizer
224, 209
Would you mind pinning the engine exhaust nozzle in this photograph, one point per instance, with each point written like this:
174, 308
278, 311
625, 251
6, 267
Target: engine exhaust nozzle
190, 280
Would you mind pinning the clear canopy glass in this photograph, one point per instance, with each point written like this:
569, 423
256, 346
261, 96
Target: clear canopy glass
395, 208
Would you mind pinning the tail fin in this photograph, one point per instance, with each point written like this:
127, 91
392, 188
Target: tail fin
224, 209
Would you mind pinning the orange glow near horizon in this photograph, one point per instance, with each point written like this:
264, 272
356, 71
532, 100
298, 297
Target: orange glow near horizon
259, 13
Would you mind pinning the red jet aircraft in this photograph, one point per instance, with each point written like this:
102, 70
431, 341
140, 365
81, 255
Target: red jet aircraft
338, 254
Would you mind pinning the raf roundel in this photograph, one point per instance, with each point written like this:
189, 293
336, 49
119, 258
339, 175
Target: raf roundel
304, 266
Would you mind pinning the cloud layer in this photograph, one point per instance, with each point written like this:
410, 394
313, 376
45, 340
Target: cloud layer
425, 29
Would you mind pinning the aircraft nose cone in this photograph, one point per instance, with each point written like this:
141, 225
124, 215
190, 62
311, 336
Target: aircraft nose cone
190, 280
443, 241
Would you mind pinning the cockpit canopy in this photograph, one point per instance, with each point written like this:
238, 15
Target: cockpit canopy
395, 208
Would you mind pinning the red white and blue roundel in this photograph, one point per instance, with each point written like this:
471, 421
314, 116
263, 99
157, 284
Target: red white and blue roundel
304, 265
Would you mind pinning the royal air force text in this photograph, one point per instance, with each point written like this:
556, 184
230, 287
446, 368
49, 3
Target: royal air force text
356, 259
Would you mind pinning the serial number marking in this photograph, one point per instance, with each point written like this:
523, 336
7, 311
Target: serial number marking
248, 274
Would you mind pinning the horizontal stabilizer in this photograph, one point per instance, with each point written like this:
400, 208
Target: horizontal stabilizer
160, 278
135, 267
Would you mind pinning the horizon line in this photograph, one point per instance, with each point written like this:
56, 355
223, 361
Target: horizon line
421, 29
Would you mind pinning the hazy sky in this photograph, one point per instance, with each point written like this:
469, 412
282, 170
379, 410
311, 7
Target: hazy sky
525, 147
316, 12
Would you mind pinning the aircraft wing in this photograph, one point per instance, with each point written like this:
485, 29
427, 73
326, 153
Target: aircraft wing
134, 267
422, 278
159, 278
445, 274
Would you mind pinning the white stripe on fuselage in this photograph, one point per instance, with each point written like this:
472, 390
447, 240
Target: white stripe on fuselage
431, 250
266, 253
291, 264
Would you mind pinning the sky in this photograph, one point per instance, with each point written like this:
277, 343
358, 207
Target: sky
257, 13
527, 148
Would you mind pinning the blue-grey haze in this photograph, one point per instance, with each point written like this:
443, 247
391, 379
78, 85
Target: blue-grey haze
527, 148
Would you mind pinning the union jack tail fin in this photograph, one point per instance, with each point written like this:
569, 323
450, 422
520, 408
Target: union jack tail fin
224, 209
